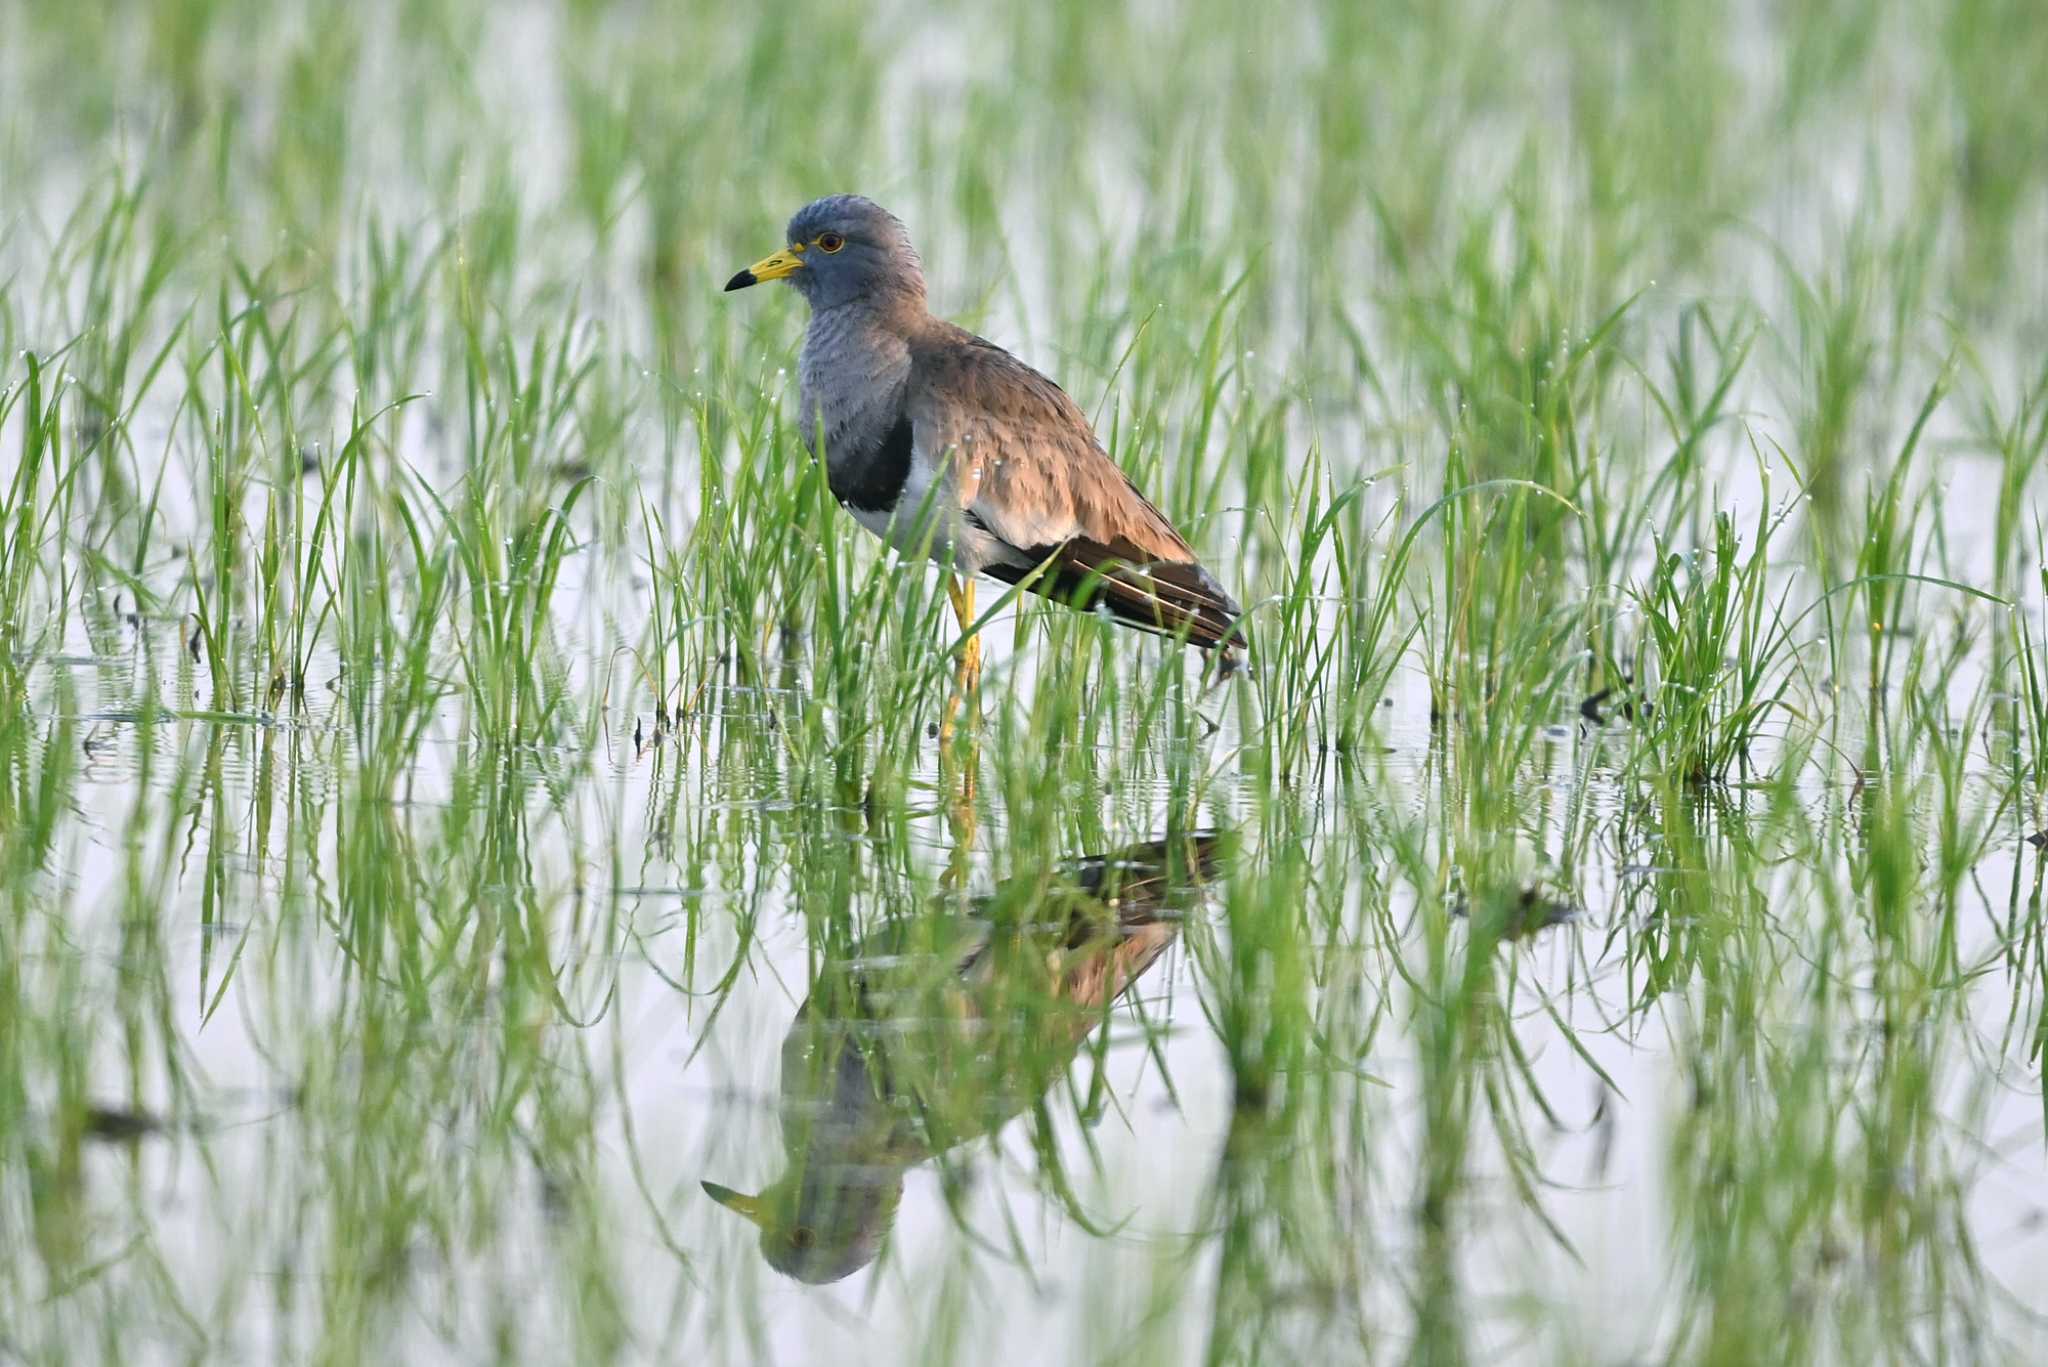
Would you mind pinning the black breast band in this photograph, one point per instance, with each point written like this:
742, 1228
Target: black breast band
872, 481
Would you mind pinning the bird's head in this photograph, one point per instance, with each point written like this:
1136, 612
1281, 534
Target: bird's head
842, 248
824, 1225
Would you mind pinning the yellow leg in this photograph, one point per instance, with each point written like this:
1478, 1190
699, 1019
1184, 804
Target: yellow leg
961, 591
960, 754
967, 679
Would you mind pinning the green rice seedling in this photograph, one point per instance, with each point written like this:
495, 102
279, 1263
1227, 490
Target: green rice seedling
746, 536
2026, 658
872, 638
268, 382
1831, 49
117, 261
1491, 594
309, 158
1295, 656
315, 568
508, 583
384, 309
1841, 353
1985, 44
1715, 666
2020, 442
1705, 366
1886, 553
35, 522
1658, 180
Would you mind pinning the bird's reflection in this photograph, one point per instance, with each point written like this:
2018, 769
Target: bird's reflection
938, 1029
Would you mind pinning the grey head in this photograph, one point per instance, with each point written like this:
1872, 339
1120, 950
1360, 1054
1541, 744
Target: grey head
825, 1223
844, 248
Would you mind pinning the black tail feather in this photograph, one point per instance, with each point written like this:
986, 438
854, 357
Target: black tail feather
1171, 598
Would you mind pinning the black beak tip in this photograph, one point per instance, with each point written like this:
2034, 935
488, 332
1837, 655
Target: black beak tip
740, 281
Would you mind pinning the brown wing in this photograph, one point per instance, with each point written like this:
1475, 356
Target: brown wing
1029, 471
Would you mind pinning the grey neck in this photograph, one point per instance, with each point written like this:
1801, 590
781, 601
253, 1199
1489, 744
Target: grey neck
852, 375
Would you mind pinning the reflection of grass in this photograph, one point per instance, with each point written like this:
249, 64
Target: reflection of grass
440, 704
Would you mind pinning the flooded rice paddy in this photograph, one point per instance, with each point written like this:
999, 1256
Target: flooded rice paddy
481, 878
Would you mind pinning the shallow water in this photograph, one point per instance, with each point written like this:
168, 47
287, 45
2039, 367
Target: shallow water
674, 898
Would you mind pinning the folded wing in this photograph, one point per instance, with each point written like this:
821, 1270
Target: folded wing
1066, 521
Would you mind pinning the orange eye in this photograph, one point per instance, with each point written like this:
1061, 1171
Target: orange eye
830, 242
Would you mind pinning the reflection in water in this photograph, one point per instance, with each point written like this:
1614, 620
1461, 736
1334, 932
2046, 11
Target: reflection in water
938, 1029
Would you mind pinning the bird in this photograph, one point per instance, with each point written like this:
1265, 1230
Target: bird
945, 445
936, 1030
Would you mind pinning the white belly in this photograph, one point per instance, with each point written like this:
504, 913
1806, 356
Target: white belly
928, 520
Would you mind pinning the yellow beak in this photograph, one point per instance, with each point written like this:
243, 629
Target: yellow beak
788, 261
749, 1206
